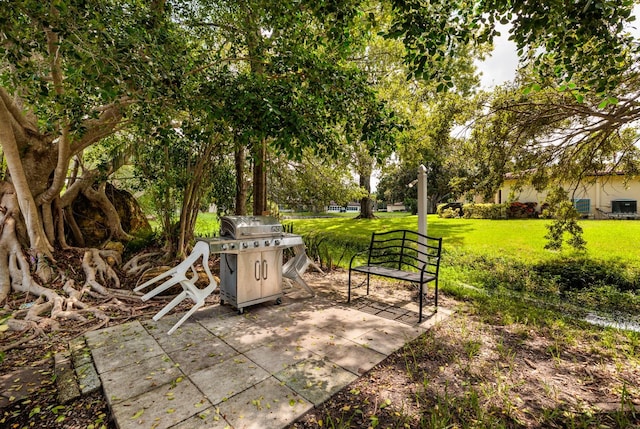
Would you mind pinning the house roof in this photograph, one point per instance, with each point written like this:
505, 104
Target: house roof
513, 175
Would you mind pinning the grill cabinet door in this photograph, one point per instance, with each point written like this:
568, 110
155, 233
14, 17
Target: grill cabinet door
271, 272
249, 276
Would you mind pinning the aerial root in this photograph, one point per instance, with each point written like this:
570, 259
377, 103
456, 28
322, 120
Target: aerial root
132, 267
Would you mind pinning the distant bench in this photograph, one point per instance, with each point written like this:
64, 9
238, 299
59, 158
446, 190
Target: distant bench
402, 255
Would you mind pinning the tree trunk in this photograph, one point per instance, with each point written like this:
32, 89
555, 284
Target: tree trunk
253, 33
260, 179
366, 204
37, 238
241, 188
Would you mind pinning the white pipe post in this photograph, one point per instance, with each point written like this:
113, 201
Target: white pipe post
422, 208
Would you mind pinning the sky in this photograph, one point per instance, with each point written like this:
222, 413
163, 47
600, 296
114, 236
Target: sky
501, 66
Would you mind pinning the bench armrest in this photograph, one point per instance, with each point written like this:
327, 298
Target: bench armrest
363, 252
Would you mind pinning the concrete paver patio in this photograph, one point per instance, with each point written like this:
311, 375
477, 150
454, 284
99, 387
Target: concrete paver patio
262, 369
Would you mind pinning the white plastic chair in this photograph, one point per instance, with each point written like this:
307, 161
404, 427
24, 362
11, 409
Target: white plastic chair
295, 267
177, 275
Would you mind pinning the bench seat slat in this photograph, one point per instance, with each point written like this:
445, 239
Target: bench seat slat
392, 273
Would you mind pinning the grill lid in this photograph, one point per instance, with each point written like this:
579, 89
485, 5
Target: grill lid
249, 226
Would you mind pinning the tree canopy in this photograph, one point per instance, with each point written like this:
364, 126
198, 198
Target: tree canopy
586, 43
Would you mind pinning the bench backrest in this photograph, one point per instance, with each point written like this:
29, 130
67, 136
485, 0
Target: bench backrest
405, 250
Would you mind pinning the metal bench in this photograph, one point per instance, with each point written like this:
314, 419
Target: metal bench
403, 255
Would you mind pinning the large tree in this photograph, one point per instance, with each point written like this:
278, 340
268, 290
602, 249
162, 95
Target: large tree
293, 86
71, 75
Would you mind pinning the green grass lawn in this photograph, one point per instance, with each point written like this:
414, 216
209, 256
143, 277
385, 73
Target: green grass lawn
521, 239
506, 255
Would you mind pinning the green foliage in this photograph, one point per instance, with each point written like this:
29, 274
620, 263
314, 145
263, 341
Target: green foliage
207, 225
449, 210
102, 49
142, 240
565, 222
312, 183
484, 211
581, 273
580, 42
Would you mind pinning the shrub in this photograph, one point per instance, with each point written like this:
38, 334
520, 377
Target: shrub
450, 213
484, 211
518, 210
450, 208
582, 273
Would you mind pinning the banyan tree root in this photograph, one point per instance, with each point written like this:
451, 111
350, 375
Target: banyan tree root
95, 268
132, 266
50, 306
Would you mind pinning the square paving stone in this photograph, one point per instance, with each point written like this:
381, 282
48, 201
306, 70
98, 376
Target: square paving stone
276, 356
186, 335
269, 404
161, 327
230, 324
250, 337
196, 356
115, 335
161, 408
388, 340
132, 380
222, 381
316, 379
351, 356
128, 352
206, 419
347, 328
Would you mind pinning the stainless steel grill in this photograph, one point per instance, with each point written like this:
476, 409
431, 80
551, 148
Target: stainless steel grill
251, 259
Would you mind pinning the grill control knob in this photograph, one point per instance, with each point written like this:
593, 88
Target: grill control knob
256, 243
267, 242
245, 245
225, 247
276, 242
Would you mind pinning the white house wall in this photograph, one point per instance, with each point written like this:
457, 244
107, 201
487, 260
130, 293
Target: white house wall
600, 192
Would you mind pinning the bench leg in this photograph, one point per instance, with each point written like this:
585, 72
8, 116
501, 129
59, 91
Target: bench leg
436, 296
368, 277
349, 290
420, 307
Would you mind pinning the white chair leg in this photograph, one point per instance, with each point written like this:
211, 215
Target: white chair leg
159, 277
167, 308
298, 279
188, 314
164, 286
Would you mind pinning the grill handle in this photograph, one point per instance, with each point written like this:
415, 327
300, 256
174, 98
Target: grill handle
265, 266
256, 270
